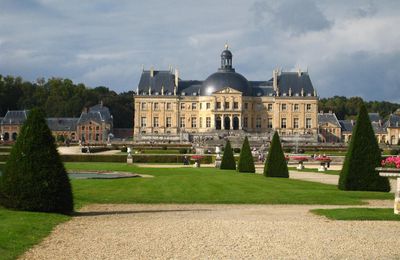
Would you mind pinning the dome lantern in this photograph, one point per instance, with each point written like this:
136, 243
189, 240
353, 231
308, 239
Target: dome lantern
226, 59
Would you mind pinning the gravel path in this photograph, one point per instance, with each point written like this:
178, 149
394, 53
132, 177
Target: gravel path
216, 232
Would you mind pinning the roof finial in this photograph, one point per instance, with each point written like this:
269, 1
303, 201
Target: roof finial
226, 46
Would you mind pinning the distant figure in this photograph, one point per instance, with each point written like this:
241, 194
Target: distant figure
185, 161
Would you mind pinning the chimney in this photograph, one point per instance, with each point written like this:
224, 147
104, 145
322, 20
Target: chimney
162, 90
275, 79
299, 72
290, 92
151, 72
352, 122
176, 77
302, 92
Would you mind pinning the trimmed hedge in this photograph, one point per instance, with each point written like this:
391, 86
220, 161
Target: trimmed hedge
246, 161
228, 161
275, 165
363, 156
95, 149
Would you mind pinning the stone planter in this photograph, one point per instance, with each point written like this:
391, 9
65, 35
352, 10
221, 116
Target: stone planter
393, 173
300, 165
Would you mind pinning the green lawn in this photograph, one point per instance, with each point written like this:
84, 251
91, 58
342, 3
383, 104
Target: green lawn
206, 185
358, 214
20, 230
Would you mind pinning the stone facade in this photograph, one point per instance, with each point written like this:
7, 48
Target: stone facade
167, 106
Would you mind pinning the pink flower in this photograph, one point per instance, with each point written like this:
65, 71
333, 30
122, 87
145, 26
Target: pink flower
391, 162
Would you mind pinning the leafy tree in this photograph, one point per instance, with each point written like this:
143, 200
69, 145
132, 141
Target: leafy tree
228, 161
34, 177
363, 156
246, 161
275, 165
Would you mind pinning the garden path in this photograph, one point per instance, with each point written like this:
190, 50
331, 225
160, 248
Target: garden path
216, 232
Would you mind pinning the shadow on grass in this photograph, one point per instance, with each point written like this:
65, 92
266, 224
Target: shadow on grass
126, 212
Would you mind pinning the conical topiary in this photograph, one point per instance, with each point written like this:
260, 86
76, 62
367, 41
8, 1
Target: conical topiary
363, 156
228, 160
246, 162
34, 177
275, 165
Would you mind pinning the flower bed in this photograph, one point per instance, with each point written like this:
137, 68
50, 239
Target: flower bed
299, 158
391, 162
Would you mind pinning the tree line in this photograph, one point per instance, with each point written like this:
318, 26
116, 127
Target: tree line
60, 97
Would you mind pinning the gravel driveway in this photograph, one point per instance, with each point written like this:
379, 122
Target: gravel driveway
216, 232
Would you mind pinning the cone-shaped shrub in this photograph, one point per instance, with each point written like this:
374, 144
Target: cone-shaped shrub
34, 177
246, 162
363, 156
275, 165
228, 161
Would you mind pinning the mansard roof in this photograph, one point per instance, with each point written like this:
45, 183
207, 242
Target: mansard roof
15, 117
62, 123
374, 117
393, 121
161, 78
347, 125
97, 113
330, 118
296, 82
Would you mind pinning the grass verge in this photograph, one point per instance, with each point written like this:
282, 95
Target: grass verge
333, 172
358, 214
21, 230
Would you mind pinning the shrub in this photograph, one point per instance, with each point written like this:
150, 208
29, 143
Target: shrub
393, 152
34, 177
246, 161
182, 150
363, 156
236, 150
95, 149
228, 161
275, 165
124, 149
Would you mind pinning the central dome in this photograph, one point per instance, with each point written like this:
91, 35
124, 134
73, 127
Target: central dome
223, 79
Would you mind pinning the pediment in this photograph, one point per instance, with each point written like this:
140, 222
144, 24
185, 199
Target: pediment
228, 90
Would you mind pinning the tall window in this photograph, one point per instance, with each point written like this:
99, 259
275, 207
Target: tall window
182, 106
143, 106
269, 107
201, 106
283, 123
269, 122
169, 106
246, 105
208, 122
155, 122
308, 123
259, 106
156, 106
208, 105
143, 121
182, 122
194, 122
218, 105
169, 122
194, 106
258, 122
284, 107
200, 122
235, 105
296, 107
245, 122
308, 107
226, 105
295, 123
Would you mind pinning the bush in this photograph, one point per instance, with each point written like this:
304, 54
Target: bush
124, 149
182, 150
236, 150
275, 165
363, 156
228, 161
393, 152
95, 149
34, 177
246, 161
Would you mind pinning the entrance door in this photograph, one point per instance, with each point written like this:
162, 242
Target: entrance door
218, 123
227, 123
235, 123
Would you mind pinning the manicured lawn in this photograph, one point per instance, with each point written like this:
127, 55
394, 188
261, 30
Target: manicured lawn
20, 230
206, 185
358, 214
334, 172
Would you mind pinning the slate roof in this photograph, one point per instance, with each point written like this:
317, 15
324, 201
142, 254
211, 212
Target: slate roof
328, 118
296, 81
393, 121
97, 113
160, 78
15, 117
378, 128
374, 117
62, 123
347, 125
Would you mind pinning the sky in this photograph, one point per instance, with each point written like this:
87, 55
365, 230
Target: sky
350, 48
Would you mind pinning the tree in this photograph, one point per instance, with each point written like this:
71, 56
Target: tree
246, 162
363, 156
275, 165
34, 177
228, 161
